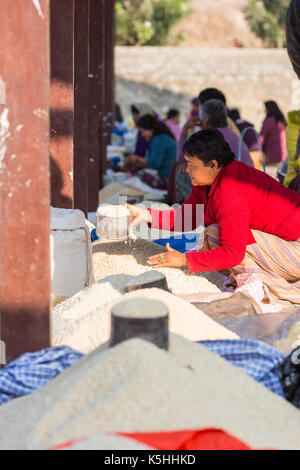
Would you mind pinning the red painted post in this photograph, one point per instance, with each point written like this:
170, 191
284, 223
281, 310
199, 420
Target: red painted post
62, 103
108, 117
96, 106
101, 92
24, 176
81, 30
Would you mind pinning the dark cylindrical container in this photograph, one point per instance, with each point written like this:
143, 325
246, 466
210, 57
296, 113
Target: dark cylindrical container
140, 318
146, 280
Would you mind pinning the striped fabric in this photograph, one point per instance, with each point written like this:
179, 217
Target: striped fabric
32, 371
274, 261
255, 358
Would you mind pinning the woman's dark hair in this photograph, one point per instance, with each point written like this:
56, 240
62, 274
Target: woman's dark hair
195, 102
209, 145
211, 94
118, 113
215, 112
152, 123
234, 114
273, 110
172, 113
134, 110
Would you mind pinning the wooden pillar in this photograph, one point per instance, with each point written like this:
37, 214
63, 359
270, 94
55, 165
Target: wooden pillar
24, 177
101, 91
96, 40
81, 31
62, 103
108, 117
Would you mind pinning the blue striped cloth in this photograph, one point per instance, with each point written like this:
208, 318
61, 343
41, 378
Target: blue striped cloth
257, 359
32, 371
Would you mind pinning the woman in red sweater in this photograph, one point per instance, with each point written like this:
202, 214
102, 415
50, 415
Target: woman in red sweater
252, 221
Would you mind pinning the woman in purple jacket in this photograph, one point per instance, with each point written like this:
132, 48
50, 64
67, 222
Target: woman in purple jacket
273, 134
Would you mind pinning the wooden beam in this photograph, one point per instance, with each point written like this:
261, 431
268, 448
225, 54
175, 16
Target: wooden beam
108, 89
24, 177
81, 35
96, 101
101, 91
62, 103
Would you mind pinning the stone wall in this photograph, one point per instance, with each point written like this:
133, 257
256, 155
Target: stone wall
169, 77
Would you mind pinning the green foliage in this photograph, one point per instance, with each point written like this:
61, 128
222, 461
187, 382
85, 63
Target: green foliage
267, 20
147, 22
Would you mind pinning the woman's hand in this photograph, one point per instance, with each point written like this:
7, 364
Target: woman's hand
138, 215
171, 259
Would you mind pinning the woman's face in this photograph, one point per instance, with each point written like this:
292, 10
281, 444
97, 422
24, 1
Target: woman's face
147, 134
200, 174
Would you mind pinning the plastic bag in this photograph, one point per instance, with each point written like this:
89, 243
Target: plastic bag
287, 335
240, 314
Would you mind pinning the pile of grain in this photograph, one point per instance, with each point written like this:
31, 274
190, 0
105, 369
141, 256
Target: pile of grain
82, 303
107, 442
92, 330
131, 258
136, 386
113, 211
132, 192
112, 193
110, 190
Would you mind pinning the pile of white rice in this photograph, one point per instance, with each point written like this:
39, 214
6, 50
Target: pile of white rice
137, 387
130, 258
86, 333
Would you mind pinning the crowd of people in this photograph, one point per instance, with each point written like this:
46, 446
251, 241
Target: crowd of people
252, 221
158, 158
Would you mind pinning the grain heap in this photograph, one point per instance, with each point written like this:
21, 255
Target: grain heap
113, 211
113, 192
110, 192
136, 386
86, 300
107, 442
92, 330
131, 259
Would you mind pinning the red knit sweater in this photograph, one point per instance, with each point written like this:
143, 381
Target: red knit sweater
241, 199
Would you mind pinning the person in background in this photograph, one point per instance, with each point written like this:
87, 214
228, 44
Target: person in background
180, 184
250, 137
138, 110
215, 94
293, 147
161, 153
213, 115
252, 222
118, 113
173, 121
195, 111
273, 134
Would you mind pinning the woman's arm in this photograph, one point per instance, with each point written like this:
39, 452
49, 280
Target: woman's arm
233, 224
184, 219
